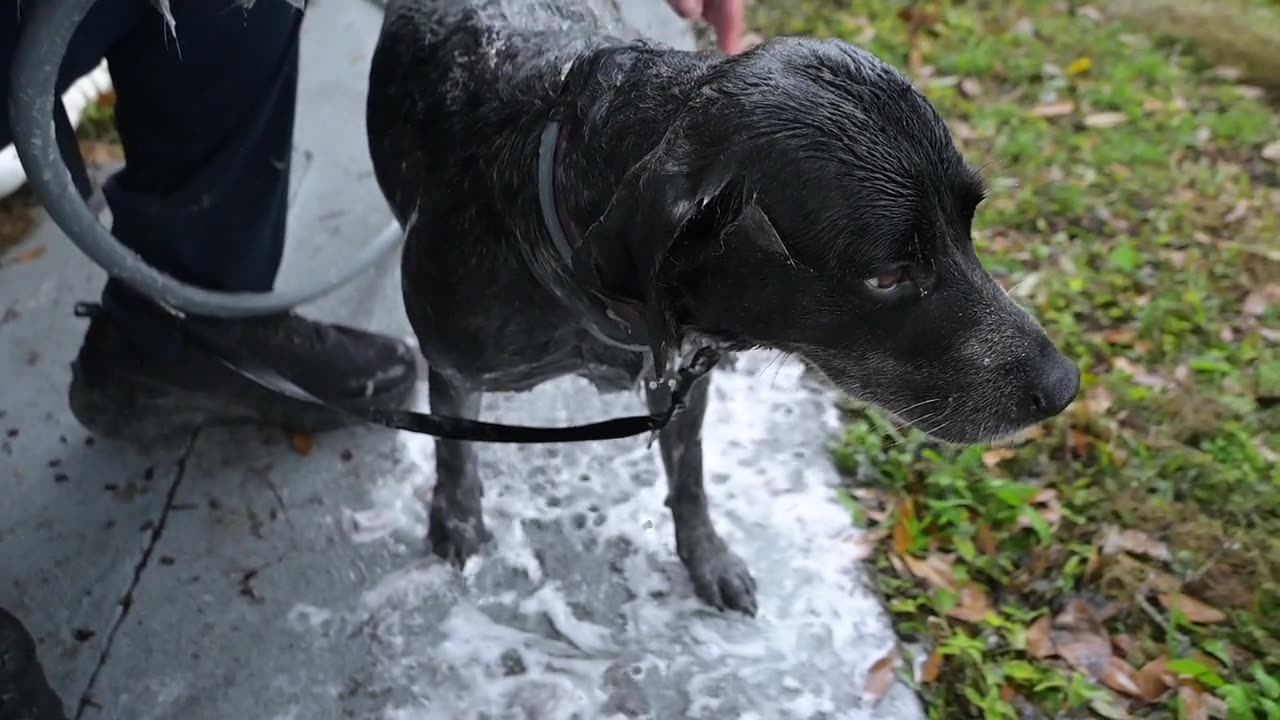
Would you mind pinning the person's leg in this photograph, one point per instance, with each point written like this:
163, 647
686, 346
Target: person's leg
206, 120
24, 689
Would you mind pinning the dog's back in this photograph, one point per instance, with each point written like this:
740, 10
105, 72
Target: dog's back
459, 91
443, 65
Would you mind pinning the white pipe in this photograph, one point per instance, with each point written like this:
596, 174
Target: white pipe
87, 89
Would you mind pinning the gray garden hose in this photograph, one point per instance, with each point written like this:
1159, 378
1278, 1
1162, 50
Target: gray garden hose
41, 46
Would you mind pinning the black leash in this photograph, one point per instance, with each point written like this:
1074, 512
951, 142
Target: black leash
445, 426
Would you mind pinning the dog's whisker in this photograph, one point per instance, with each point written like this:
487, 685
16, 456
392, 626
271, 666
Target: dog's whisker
775, 363
782, 361
909, 408
940, 427
904, 431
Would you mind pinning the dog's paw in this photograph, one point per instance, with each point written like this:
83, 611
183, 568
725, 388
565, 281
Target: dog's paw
720, 578
456, 535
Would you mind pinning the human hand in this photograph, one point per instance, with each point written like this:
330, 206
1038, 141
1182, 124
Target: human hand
727, 18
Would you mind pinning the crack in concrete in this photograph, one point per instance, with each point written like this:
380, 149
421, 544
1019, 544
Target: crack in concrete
126, 602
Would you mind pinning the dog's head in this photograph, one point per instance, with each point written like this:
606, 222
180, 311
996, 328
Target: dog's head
810, 199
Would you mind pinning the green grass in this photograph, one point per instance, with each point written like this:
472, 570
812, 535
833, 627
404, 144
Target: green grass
1141, 223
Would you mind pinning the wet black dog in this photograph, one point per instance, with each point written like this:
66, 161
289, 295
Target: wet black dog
801, 196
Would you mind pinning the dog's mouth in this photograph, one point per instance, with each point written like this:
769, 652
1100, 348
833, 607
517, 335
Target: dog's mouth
948, 423
957, 406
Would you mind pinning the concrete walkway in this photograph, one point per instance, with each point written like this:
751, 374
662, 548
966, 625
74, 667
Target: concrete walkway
230, 577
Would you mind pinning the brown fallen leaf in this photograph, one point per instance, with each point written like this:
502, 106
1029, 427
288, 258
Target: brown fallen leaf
1140, 376
973, 604
865, 543
1194, 610
99, 154
986, 540
1040, 639
302, 443
1238, 212
1098, 400
1124, 644
1046, 502
878, 505
1121, 677
936, 571
993, 457
904, 515
915, 56
1130, 567
1110, 706
1154, 680
964, 130
1105, 119
1115, 540
932, 668
1229, 73
1080, 639
106, 100
1080, 443
1061, 108
899, 567
881, 676
1192, 699
970, 87
26, 256
1152, 105
1256, 302
1224, 586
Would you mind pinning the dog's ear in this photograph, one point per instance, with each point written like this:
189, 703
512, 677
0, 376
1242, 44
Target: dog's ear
622, 255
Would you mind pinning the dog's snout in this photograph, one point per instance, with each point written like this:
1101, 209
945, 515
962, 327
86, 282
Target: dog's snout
1058, 385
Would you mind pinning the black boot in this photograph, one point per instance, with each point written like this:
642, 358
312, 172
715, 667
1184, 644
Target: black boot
120, 390
24, 692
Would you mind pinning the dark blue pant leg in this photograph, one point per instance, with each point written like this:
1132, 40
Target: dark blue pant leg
205, 112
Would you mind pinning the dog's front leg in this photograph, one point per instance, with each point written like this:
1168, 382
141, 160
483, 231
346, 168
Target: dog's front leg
719, 576
456, 525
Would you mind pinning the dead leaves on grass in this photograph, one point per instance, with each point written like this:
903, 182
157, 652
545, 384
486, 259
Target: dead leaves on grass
865, 543
1077, 636
1114, 540
29, 255
1192, 609
1259, 300
881, 676
1057, 109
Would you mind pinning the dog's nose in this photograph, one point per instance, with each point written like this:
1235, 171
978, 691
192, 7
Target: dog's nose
1058, 386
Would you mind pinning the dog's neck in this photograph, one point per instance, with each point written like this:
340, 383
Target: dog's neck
616, 105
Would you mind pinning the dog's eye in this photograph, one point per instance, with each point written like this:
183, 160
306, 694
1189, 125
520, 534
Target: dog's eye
889, 279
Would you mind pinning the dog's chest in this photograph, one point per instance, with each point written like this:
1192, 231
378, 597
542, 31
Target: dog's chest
518, 369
